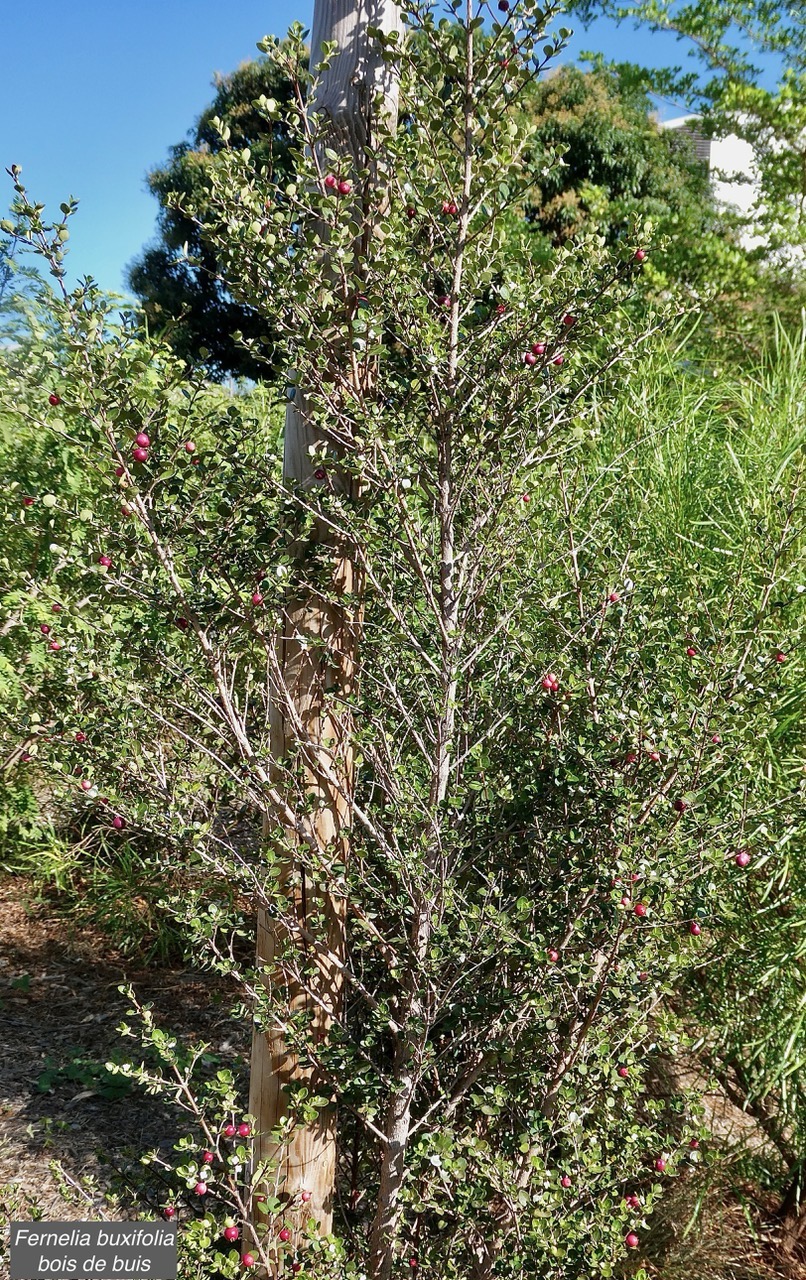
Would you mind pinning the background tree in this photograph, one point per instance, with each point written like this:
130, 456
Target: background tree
178, 279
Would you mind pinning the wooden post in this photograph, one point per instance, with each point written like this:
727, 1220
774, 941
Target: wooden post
317, 652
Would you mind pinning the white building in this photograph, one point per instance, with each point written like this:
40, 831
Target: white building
731, 166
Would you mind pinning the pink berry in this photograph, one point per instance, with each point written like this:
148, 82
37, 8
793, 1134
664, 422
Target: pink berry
81, 736
105, 561
55, 608
640, 909
691, 652
742, 858
565, 1181
654, 756
639, 255
207, 1157
229, 1131
525, 497
624, 1072
169, 1212
694, 1144
642, 977
445, 300
120, 471
345, 187
44, 627
54, 399
695, 929
305, 1196
55, 646
530, 358
553, 955
142, 439
631, 1240
231, 1233
27, 502
118, 822
244, 1130
26, 757
284, 1234
614, 597
331, 181
140, 455
190, 446
257, 598
538, 348
780, 657
625, 901
500, 310
716, 739
86, 785
200, 1188
125, 511
660, 1164
558, 359
247, 1259
413, 1262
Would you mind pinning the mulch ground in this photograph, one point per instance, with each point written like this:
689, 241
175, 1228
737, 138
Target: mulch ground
64, 1142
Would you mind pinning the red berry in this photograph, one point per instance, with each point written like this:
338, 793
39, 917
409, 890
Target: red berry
190, 446
565, 1181
27, 502
525, 497
81, 736
624, 1072
639, 255
229, 1131
257, 598
207, 1157
501, 309
118, 822
54, 399
631, 1240
530, 358
660, 1164
632, 1200
305, 1196
105, 561
182, 624
244, 1130
231, 1233
654, 756
558, 359
640, 909
247, 1259
445, 300
196, 461
284, 1234
691, 652
695, 929
125, 511
86, 785
625, 901
553, 955
780, 657
55, 608
26, 757
716, 739
569, 320
742, 858
693, 1145
296, 1267
44, 627
331, 181
55, 646
142, 439
614, 597
681, 805
320, 473
200, 1188
413, 1262
345, 187
140, 455
410, 213
642, 977
120, 471
169, 1212
538, 348
503, 5
630, 757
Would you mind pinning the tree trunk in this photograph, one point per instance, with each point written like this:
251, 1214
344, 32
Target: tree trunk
317, 653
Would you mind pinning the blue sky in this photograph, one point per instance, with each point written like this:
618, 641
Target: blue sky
94, 92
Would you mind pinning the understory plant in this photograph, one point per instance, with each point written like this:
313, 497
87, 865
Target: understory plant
525, 714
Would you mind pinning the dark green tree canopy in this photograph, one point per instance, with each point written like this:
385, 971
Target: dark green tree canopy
186, 297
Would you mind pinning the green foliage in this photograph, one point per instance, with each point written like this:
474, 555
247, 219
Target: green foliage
565, 719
